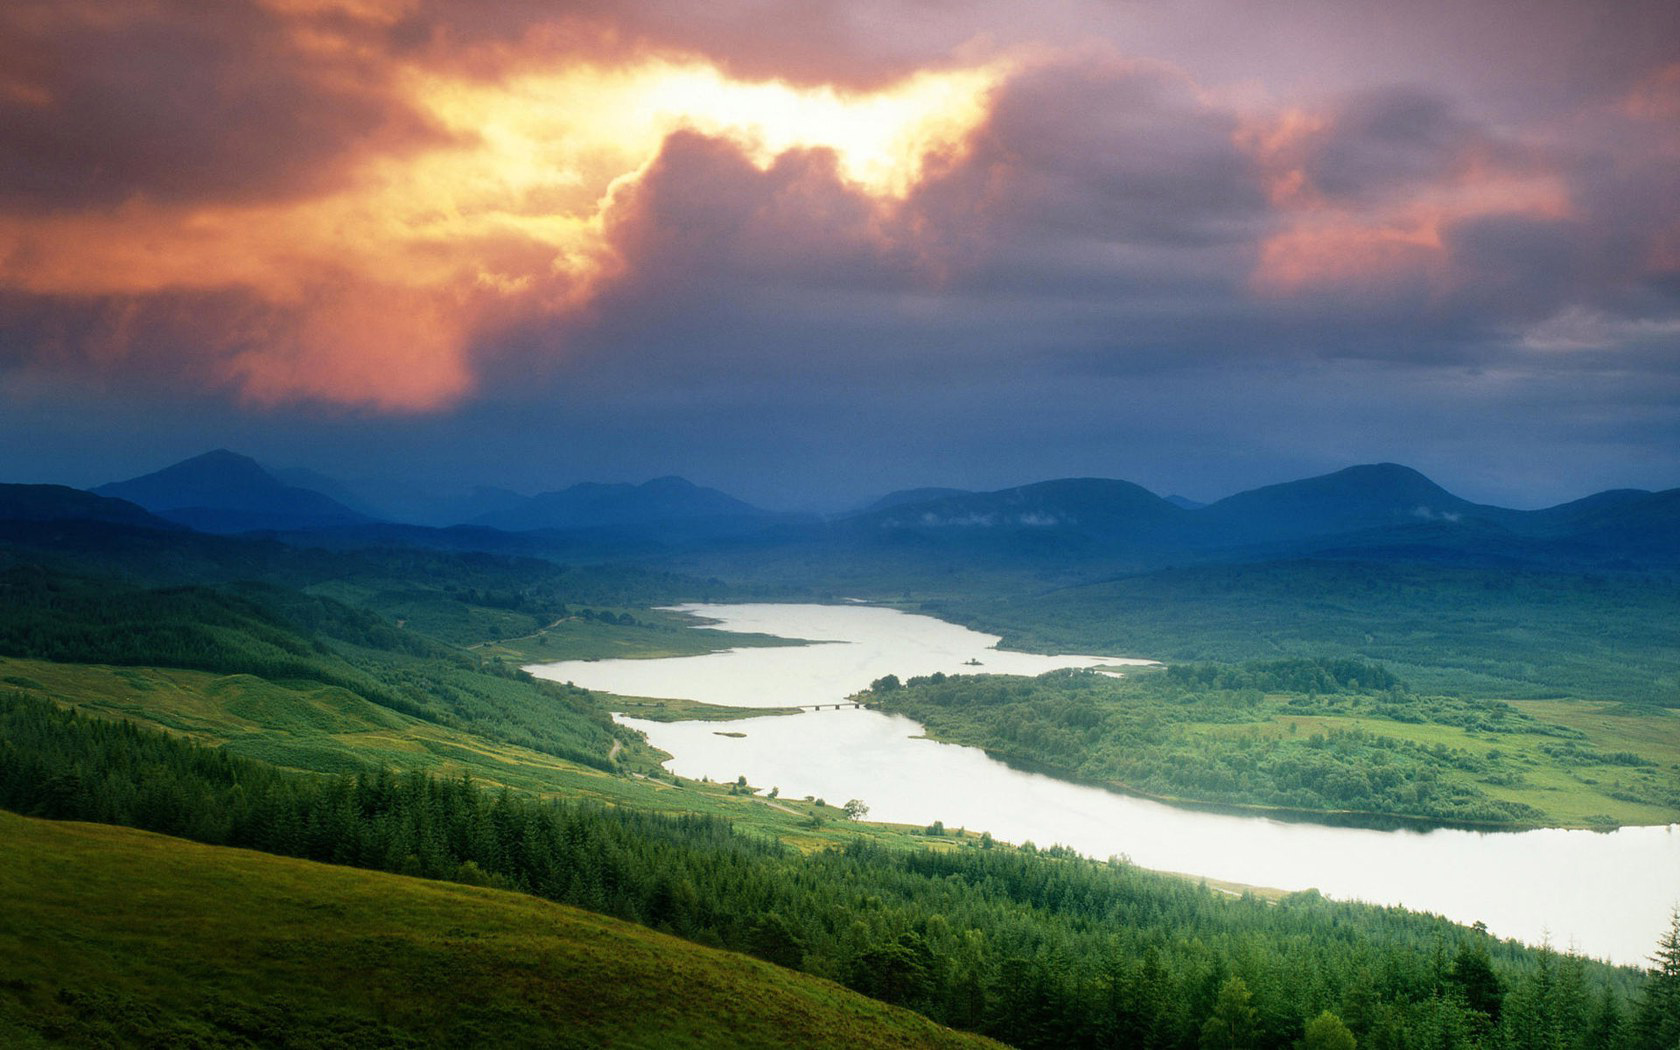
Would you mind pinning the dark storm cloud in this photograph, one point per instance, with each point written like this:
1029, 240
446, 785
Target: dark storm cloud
1441, 226
1109, 148
1386, 139
1095, 178
704, 217
1104, 219
181, 101
1095, 187
1105, 223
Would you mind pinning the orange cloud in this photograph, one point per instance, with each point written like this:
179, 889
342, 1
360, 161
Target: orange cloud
1656, 97
1323, 245
1342, 252
373, 289
1370, 206
388, 348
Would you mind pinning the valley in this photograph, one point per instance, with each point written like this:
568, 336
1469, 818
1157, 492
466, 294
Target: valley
1376, 684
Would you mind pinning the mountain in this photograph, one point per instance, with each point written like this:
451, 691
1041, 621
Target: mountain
1098, 505
480, 501
1389, 512
1381, 512
1590, 512
1064, 521
44, 503
1376, 496
1648, 523
222, 491
1184, 502
907, 496
392, 500
661, 503
334, 488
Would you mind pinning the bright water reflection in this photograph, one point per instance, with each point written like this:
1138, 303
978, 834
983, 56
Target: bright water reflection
1607, 894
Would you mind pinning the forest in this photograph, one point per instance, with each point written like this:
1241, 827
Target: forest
1033, 946
1036, 947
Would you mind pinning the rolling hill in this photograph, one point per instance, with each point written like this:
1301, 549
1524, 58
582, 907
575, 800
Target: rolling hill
116, 937
58, 503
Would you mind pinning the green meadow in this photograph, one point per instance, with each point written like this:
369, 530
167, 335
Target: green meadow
1229, 735
117, 937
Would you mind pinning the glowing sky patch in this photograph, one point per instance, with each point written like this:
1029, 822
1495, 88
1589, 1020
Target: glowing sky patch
511, 206
637, 239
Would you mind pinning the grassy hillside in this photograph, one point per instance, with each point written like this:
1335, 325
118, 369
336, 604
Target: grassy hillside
321, 729
301, 644
118, 937
1339, 737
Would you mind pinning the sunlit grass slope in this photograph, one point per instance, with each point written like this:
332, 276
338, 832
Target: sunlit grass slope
295, 725
324, 729
112, 936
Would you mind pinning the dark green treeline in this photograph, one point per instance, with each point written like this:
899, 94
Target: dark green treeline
1034, 947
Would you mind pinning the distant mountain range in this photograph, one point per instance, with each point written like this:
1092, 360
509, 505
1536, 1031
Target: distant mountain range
226, 492
222, 491
662, 502
1380, 511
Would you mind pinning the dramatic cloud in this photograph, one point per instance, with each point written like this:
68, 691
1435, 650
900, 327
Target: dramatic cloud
394, 211
418, 209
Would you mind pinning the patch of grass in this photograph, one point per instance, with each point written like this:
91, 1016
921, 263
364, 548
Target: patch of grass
657, 709
125, 938
298, 726
1208, 733
1521, 769
653, 634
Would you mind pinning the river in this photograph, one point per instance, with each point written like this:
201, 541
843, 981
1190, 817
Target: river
1606, 894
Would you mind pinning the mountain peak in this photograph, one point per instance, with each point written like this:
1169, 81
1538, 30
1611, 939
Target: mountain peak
1369, 496
209, 479
224, 491
669, 483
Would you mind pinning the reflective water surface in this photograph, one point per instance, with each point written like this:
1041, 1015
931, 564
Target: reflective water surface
1607, 894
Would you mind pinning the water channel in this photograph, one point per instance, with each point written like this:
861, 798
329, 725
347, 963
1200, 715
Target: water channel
1607, 894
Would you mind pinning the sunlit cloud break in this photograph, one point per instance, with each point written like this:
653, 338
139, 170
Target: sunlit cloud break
639, 232
373, 294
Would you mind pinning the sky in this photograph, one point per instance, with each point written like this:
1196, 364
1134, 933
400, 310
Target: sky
810, 253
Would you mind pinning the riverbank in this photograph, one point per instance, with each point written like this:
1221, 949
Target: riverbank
905, 778
1336, 741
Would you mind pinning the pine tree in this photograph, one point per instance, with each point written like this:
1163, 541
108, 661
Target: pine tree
1326, 1032
1231, 1025
1657, 1020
